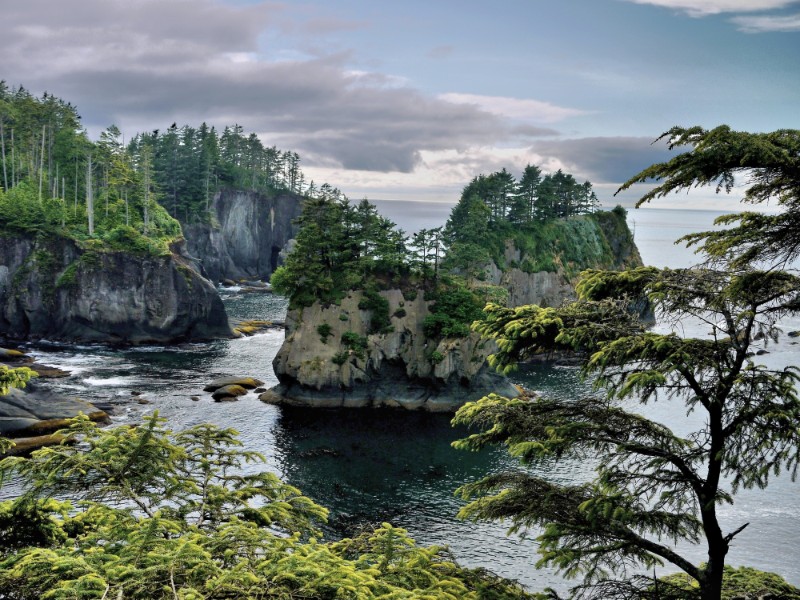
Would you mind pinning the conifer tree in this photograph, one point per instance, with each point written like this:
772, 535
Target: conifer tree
654, 486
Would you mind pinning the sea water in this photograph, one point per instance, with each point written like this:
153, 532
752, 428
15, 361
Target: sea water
370, 466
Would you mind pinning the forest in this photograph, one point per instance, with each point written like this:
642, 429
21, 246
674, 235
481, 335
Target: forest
126, 194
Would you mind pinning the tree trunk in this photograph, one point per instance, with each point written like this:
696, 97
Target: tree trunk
3, 147
13, 168
41, 165
89, 197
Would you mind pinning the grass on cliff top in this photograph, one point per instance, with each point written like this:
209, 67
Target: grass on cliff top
117, 227
571, 245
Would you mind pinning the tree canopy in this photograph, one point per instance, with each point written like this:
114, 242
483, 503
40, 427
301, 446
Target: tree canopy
54, 179
768, 164
155, 514
652, 486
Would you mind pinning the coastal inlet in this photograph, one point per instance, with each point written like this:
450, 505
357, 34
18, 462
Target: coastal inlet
367, 465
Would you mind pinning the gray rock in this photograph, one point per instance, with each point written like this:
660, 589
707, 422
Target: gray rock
395, 370
57, 290
249, 233
38, 410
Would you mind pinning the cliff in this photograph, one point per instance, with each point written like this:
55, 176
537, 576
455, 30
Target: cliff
247, 234
55, 288
541, 266
329, 360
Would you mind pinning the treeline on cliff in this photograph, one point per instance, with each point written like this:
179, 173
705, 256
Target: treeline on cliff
343, 246
55, 179
549, 219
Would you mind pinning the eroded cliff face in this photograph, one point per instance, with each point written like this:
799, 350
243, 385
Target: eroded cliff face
600, 241
247, 236
51, 288
316, 366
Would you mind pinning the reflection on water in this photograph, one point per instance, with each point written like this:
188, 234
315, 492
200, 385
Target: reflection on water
369, 466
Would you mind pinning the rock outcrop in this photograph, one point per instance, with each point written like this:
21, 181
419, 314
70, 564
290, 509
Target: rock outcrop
598, 241
248, 233
330, 360
39, 411
50, 287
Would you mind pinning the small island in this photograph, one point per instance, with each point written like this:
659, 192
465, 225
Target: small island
379, 319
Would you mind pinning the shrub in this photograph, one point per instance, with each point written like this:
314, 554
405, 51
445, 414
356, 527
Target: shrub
379, 309
357, 343
452, 314
324, 332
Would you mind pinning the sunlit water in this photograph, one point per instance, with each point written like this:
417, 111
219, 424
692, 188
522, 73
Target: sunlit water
369, 466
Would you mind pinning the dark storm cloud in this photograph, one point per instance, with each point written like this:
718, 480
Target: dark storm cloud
605, 159
143, 64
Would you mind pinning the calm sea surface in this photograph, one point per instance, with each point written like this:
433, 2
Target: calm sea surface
381, 465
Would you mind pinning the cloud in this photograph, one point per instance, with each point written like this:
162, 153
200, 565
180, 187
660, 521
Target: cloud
142, 64
515, 108
604, 159
766, 23
701, 8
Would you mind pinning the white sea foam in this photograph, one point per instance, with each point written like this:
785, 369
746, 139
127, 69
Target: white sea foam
109, 381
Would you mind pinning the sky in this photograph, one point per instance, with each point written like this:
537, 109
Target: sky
411, 100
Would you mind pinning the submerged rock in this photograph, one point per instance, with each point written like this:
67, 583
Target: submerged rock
228, 392
248, 383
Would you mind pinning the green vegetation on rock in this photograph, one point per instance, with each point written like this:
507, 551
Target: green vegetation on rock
565, 233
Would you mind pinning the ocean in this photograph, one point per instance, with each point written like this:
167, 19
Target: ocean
370, 466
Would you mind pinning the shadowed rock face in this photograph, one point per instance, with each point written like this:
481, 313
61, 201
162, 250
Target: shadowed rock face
52, 288
400, 369
247, 236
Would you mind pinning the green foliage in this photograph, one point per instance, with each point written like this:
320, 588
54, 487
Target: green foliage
436, 357
14, 378
69, 276
191, 164
341, 247
742, 583
356, 343
452, 313
341, 357
159, 515
379, 307
324, 330
651, 485
575, 241
399, 313
55, 169
770, 162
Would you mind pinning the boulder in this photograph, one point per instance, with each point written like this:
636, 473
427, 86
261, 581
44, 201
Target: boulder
54, 288
41, 411
228, 393
248, 383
